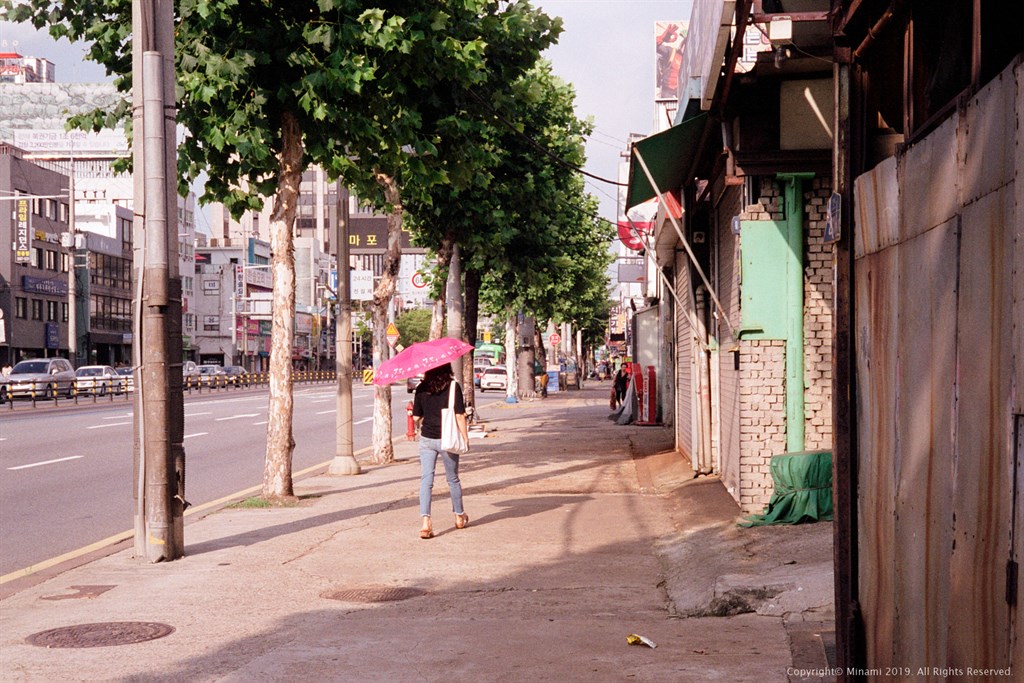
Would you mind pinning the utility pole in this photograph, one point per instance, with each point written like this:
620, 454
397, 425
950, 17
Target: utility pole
156, 347
72, 265
344, 461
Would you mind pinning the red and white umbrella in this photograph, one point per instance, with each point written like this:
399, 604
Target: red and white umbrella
420, 357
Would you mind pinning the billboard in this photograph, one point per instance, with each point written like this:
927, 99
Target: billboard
669, 39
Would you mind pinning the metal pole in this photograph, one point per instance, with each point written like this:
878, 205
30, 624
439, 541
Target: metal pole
344, 462
72, 257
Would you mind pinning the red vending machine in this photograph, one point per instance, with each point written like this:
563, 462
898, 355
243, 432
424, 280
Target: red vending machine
646, 395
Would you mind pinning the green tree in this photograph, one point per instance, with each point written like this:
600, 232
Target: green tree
413, 326
266, 89
525, 225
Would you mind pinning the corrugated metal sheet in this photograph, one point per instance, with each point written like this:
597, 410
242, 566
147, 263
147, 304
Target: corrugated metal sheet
728, 412
983, 476
925, 393
928, 181
988, 123
876, 203
877, 340
938, 382
684, 359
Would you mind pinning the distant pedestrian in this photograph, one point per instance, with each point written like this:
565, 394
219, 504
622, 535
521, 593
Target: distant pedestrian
7, 369
431, 397
621, 383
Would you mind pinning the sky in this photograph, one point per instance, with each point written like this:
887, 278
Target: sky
606, 51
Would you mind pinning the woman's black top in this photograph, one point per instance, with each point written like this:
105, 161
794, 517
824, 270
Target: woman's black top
428, 406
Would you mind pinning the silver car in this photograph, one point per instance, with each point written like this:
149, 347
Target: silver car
41, 378
99, 380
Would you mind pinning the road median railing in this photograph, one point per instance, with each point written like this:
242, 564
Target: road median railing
40, 393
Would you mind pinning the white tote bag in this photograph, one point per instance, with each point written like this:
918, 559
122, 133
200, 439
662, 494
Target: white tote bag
451, 437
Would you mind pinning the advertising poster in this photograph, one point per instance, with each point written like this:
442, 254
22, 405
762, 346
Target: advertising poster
669, 38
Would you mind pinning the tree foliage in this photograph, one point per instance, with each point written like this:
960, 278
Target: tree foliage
526, 223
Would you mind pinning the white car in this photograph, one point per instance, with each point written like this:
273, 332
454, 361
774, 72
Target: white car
98, 380
494, 377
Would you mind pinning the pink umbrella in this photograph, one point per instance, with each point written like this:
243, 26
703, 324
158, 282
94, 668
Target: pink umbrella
420, 357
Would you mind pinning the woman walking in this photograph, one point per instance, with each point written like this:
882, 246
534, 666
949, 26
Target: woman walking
431, 397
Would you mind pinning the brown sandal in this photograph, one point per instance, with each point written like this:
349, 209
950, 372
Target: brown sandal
461, 521
426, 533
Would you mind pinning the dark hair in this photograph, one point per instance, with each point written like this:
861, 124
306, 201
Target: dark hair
437, 379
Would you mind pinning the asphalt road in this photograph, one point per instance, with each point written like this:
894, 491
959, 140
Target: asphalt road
66, 474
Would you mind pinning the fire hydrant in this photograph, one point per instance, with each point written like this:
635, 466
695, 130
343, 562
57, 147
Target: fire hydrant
410, 423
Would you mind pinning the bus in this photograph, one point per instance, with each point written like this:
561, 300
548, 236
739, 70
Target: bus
487, 352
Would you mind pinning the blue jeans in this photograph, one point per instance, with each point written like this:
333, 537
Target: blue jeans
429, 450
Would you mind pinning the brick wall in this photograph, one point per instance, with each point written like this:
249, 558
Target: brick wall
817, 318
762, 404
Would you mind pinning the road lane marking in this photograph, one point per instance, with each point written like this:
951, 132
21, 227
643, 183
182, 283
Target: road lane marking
236, 417
118, 417
254, 424
326, 412
365, 419
112, 424
189, 436
125, 535
46, 462
195, 414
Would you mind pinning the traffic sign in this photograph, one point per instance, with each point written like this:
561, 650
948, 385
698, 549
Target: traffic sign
418, 280
554, 339
392, 335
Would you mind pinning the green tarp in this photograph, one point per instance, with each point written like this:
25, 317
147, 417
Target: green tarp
803, 489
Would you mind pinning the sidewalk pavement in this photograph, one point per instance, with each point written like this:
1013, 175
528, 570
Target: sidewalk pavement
582, 532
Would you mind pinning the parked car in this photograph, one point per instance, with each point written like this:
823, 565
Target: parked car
127, 377
494, 377
412, 383
189, 370
210, 374
98, 380
236, 374
41, 378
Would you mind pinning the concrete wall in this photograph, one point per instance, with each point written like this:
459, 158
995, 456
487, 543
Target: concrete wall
938, 234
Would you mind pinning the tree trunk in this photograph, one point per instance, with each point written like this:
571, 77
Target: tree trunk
383, 450
277, 474
525, 358
472, 315
444, 257
456, 329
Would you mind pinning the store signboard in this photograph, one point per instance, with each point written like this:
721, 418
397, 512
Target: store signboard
22, 231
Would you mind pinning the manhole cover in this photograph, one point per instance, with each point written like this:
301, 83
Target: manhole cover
101, 634
374, 594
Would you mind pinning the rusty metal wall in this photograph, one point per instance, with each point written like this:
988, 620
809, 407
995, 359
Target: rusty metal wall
937, 284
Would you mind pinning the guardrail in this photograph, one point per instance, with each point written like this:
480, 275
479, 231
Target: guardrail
86, 391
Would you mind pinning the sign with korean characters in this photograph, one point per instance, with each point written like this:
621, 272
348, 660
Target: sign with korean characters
22, 231
368, 234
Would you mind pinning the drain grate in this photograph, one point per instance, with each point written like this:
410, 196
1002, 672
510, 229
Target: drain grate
374, 594
100, 635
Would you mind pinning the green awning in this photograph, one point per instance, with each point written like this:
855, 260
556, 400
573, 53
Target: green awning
668, 155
